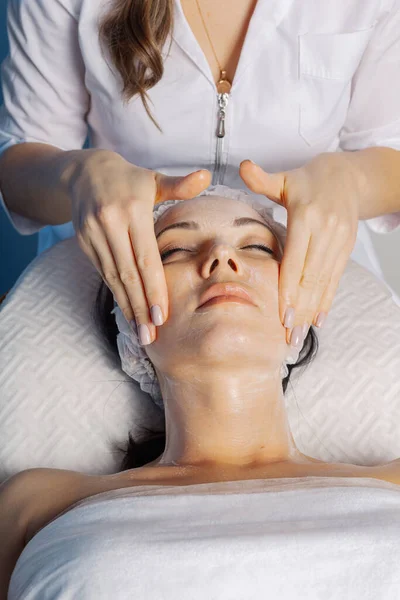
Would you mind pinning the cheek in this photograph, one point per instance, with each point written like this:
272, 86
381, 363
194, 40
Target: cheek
181, 287
266, 282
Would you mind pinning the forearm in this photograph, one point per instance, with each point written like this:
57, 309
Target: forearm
377, 170
33, 184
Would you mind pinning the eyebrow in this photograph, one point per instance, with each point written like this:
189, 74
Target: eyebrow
239, 222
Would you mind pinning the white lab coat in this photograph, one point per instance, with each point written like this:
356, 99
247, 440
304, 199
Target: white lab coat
312, 77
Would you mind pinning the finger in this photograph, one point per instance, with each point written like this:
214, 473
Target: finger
328, 296
291, 268
126, 275
90, 252
116, 253
181, 188
272, 185
320, 261
324, 250
118, 292
150, 266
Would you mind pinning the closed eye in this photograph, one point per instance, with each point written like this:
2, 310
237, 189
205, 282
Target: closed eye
260, 247
168, 253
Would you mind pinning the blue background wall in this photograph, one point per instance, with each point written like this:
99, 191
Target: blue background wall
16, 251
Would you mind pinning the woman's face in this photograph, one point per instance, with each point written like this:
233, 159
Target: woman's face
215, 250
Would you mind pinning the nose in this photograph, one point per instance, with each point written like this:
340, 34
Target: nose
222, 257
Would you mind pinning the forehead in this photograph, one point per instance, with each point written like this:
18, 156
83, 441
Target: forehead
207, 211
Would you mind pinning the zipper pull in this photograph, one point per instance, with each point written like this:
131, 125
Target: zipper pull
222, 103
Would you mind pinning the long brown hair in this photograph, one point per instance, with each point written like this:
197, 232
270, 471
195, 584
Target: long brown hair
134, 31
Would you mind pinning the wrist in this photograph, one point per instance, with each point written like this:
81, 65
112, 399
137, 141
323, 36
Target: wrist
361, 181
67, 165
377, 177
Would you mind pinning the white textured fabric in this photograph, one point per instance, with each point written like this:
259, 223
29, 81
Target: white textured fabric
312, 77
65, 402
309, 538
134, 360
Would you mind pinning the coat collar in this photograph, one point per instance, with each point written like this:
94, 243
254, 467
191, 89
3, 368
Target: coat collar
265, 19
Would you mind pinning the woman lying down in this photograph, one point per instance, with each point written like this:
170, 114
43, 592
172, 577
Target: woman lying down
222, 504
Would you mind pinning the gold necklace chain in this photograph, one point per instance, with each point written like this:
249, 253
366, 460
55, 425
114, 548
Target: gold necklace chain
224, 85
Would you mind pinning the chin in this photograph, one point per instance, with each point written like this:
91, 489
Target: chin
227, 343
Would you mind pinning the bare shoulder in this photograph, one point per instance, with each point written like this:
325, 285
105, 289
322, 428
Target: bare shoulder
27, 481
389, 471
36, 496
28, 501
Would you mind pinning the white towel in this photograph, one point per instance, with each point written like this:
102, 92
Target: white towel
311, 537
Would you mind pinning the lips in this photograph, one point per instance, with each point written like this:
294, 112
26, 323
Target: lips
227, 290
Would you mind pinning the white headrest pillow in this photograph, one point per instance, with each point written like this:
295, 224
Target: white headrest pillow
65, 403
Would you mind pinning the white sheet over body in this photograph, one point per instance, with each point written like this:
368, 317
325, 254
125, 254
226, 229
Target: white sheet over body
312, 538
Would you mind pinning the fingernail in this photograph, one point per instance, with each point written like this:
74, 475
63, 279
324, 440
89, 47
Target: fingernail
320, 319
289, 317
306, 327
297, 336
156, 315
144, 335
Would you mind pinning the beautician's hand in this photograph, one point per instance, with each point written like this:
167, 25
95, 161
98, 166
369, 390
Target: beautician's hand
112, 211
322, 201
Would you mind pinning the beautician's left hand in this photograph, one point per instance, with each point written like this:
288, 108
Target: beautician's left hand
322, 200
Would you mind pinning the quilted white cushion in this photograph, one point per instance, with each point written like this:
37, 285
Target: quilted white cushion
65, 403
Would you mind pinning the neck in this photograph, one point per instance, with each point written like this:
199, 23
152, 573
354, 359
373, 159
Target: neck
231, 419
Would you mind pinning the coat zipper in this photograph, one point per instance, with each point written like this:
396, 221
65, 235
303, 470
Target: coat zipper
223, 100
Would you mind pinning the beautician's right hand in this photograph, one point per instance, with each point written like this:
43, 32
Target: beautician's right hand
112, 211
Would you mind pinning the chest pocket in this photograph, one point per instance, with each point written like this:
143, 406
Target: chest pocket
327, 63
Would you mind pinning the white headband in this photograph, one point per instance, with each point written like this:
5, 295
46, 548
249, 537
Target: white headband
134, 359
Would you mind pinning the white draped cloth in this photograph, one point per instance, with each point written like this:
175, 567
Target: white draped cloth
330, 538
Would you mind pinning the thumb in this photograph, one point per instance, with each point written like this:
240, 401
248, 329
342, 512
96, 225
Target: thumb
258, 181
181, 188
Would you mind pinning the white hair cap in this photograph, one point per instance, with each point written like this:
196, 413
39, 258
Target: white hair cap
134, 359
